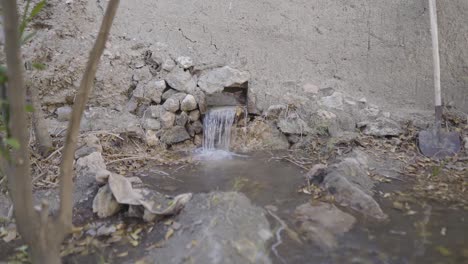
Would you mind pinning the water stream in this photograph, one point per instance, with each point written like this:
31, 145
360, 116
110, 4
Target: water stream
217, 126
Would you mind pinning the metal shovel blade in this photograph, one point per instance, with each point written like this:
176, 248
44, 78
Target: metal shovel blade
437, 144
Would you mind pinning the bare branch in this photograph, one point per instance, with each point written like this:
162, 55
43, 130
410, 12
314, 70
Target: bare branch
66, 170
18, 168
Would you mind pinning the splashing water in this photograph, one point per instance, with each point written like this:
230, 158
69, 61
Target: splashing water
217, 126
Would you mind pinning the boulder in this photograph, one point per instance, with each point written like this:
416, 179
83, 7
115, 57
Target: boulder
171, 105
92, 166
167, 94
104, 203
167, 119
293, 124
168, 64
181, 80
322, 223
188, 103
150, 91
194, 115
155, 111
151, 124
217, 79
381, 127
205, 225
181, 119
88, 145
185, 62
174, 135
64, 113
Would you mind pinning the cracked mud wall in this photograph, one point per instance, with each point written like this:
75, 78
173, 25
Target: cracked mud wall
380, 49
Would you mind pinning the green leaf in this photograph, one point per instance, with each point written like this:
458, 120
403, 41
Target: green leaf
12, 142
39, 66
37, 8
28, 37
24, 18
29, 108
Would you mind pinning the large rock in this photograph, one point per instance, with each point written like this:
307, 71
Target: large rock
155, 111
104, 203
200, 97
99, 118
350, 185
151, 91
92, 166
194, 115
195, 128
381, 127
188, 103
181, 80
322, 223
181, 119
257, 136
293, 124
151, 124
174, 135
171, 105
230, 230
167, 119
216, 80
167, 94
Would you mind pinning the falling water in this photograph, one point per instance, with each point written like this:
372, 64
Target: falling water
217, 126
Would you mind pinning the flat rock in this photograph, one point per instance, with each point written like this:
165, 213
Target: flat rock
216, 80
174, 135
381, 127
209, 223
322, 223
100, 118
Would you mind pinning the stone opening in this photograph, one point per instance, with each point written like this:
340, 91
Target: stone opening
230, 96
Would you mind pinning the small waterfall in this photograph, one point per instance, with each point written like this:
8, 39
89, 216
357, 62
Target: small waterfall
217, 126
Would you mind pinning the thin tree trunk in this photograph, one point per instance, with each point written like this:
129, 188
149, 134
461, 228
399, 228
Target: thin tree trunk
42, 233
43, 139
18, 167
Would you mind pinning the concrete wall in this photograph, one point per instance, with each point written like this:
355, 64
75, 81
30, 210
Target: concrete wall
380, 49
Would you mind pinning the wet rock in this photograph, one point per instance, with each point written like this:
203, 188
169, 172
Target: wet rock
92, 166
188, 103
88, 145
198, 140
171, 105
174, 135
151, 138
274, 111
293, 124
259, 135
155, 111
185, 62
195, 128
381, 127
167, 94
104, 203
99, 118
64, 113
181, 119
181, 80
322, 223
168, 64
244, 224
167, 119
216, 80
194, 115
151, 124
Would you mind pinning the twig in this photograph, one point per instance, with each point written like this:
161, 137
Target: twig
53, 153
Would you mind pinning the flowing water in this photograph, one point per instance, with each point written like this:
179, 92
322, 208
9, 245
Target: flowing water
217, 126
401, 239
